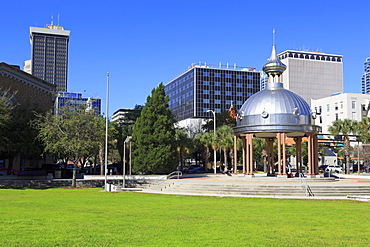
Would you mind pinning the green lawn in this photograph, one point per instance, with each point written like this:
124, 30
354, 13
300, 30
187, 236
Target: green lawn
86, 217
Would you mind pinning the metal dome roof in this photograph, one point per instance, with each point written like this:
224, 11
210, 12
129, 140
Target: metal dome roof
275, 109
275, 100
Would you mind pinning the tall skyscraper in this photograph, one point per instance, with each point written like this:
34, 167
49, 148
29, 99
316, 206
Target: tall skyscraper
206, 87
366, 77
312, 75
49, 55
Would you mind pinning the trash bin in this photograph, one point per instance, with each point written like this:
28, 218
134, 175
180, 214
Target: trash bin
58, 174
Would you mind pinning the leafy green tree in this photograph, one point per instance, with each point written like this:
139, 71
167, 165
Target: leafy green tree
73, 135
5, 117
344, 127
153, 137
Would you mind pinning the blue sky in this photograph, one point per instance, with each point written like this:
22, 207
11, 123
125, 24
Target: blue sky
145, 42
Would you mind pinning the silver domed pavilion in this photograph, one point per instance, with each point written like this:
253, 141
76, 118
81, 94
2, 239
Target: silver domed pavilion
277, 113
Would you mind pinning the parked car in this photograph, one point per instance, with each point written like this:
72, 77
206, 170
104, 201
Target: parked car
322, 168
333, 168
196, 170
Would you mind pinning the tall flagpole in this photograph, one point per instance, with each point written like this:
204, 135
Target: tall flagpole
106, 136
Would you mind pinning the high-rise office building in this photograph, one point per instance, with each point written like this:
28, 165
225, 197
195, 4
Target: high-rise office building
49, 55
206, 87
312, 75
366, 77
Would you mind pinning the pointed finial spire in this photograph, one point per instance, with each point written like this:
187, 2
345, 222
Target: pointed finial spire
274, 66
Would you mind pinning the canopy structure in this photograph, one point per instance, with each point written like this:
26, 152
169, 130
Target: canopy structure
277, 113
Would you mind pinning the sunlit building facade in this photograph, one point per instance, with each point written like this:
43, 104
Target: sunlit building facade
312, 75
366, 77
208, 87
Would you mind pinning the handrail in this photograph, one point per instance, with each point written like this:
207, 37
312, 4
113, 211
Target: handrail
177, 174
304, 184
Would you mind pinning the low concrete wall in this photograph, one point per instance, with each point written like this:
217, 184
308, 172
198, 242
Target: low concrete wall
91, 181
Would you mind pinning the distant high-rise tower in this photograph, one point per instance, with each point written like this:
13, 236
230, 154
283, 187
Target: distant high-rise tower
49, 55
312, 75
366, 77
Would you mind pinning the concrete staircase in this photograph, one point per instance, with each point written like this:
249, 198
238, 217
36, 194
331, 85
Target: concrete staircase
329, 189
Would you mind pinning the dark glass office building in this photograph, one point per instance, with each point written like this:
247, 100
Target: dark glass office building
207, 87
49, 55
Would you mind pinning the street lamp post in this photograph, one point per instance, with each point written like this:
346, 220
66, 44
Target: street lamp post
214, 134
128, 139
106, 136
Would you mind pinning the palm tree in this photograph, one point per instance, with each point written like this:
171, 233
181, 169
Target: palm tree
205, 139
344, 127
183, 142
224, 136
364, 130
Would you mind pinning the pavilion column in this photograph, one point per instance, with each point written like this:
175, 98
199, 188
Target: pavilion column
249, 154
311, 155
315, 162
283, 137
244, 152
298, 155
270, 155
279, 153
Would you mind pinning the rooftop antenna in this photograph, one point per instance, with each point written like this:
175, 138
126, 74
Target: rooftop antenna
273, 37
52, 19
58, 18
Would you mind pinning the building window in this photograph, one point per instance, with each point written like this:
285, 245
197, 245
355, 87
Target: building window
239, 85
239, 77
217, 110
205, 109
205, 91
353, 104
239, 94
205, 73
320, 118
336, 116
249, 86
228, 84
239, 102
217, 92
328, 108
320, 109
341, 105
249, 77
205, 100
249, 94
336, 106
206, 83
217, 83
228, 76
354, 116
228, 102
217, 101
228, 93
217, 75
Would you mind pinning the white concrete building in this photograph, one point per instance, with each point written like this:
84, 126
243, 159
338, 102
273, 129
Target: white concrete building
312, 75
341, 106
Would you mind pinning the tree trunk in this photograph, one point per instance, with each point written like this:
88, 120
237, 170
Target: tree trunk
225, 156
